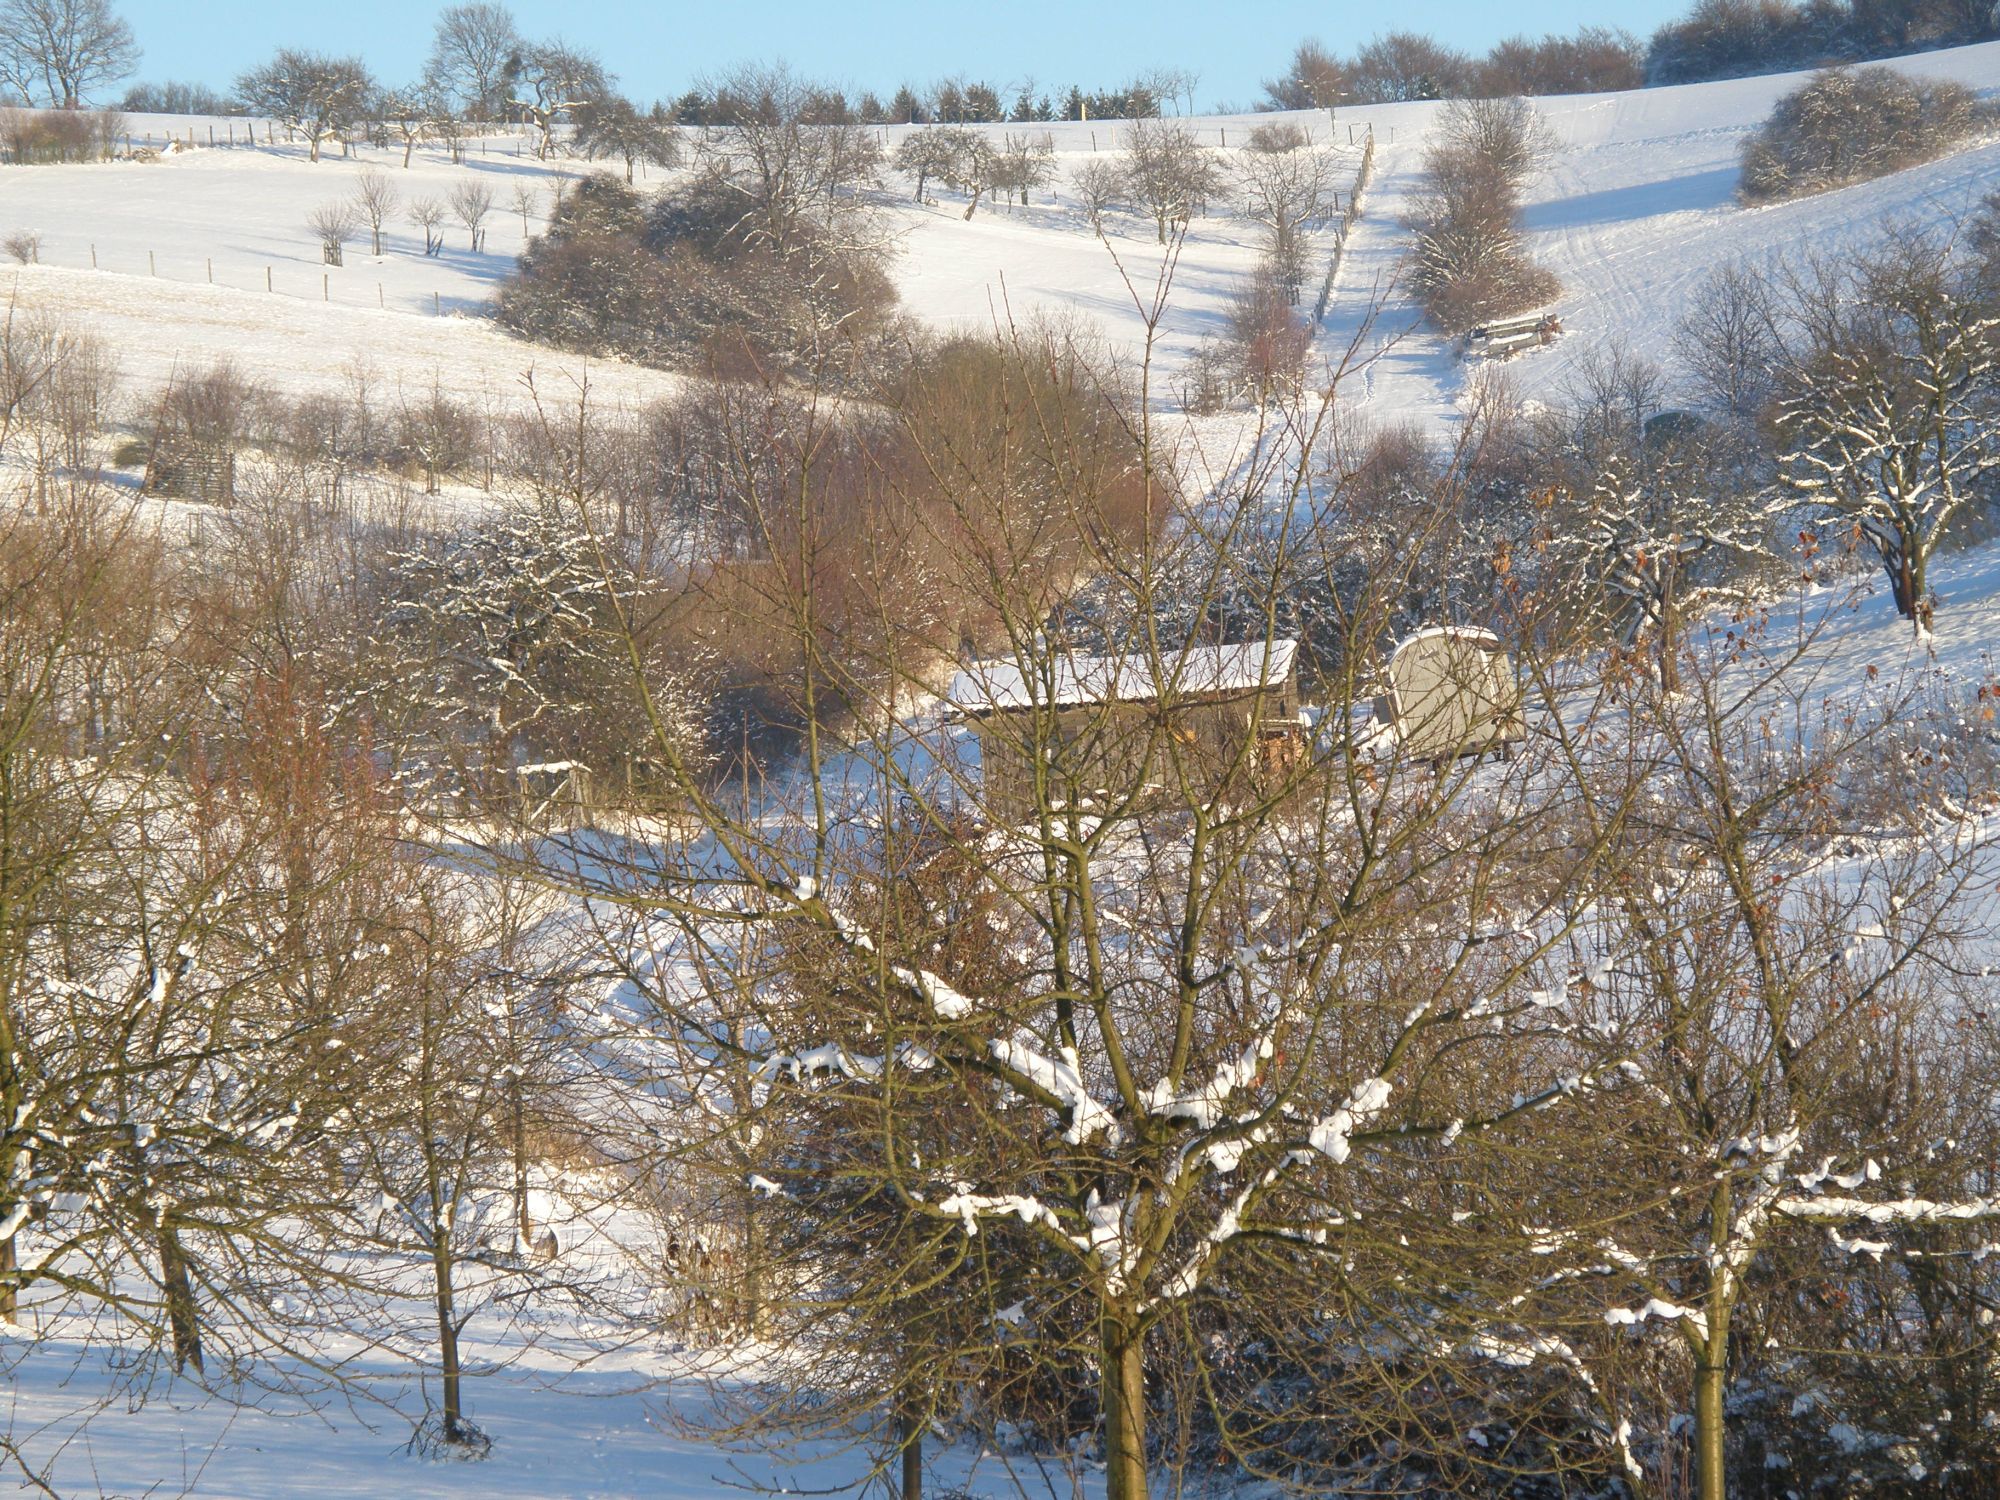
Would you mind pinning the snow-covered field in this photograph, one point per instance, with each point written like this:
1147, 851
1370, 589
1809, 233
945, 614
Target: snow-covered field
1635, 211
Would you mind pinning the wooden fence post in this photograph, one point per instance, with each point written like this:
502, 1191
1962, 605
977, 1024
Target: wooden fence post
152, 268
211, 272
93, 257
267, 279
325, 287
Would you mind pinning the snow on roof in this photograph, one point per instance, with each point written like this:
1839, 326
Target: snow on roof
1193, 671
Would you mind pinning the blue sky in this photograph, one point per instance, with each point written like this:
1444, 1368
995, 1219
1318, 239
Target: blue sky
656, 49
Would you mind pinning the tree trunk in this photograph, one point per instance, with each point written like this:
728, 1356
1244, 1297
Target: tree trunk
183, 1316
10, 1297
1123, 1382
447, 1316
1710, 1378
751, 1281
910, 1450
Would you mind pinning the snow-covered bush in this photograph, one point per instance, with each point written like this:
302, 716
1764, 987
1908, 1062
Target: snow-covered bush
1847, 126
1471, 260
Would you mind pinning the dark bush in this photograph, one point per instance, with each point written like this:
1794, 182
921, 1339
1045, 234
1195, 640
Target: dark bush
47, 136
1731, 38
688, 280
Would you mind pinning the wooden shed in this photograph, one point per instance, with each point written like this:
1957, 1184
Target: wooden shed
1451, 692
182, 466
1094, 727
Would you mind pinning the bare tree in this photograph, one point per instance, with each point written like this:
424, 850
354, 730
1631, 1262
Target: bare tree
470, 53
1026, 162
616, 128
1211, 976
414, 112
1169, 172
1313, 80
549, 83
320, 96
796, 176
1406, 65
1287, 191
526, 201
429, 215
1770, 954
375, 197
471, 202
1889, 413
335, 224
66, 46
974, 166
1099, 184
1728, 344
924, 154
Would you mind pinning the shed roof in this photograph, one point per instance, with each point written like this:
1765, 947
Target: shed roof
1191, 672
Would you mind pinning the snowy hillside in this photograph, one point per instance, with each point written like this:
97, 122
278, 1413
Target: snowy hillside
1636, 210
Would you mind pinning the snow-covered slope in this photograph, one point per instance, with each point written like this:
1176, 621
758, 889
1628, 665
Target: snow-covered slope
1633, 214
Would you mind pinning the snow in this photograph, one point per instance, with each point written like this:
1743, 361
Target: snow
1244, 667
1331, 1137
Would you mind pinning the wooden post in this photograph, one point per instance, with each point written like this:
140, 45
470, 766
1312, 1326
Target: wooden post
211, 135
211, 272
379, 301
267, 279
93, 257
325, 287
151, 267
437, 305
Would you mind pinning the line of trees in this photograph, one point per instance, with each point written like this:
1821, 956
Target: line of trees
1470, 261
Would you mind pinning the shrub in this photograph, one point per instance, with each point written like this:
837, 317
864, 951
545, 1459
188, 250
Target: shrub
1845, 126
47, 136
1471, 263
688, 280
24, 245
1265, 339
1278, 138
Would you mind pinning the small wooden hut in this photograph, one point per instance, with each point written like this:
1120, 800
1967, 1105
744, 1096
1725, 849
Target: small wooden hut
191, 469
1095, 727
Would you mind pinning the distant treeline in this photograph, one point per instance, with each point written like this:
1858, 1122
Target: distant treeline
480, 62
